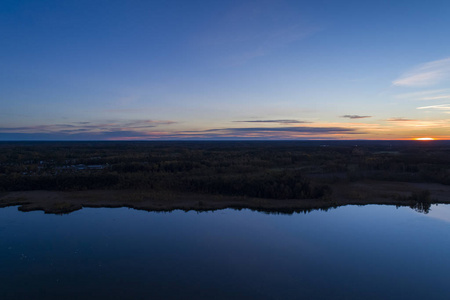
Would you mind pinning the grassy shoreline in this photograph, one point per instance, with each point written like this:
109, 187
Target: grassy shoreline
357, 193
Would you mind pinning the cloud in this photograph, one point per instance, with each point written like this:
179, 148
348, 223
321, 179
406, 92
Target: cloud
40, 128
437, 97
84, 136
125, 110
426, 95
427, 74
147, 130
355, 116
136, 126
307, 130
299, 129
283, 121
267, 133
147, 123
436, 107
400, 120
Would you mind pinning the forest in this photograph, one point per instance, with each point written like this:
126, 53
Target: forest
260, 169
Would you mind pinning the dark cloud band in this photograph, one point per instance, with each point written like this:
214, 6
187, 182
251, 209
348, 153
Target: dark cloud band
355, 117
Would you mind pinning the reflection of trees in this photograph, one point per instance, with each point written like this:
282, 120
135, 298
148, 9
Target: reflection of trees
421, 207
422, 201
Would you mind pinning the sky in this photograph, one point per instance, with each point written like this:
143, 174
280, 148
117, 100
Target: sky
224, 70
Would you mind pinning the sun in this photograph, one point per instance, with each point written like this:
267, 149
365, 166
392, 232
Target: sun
424, 139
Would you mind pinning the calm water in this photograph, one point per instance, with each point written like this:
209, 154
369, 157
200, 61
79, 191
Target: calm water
377, 252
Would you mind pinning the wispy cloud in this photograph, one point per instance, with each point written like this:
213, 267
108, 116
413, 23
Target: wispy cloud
295, 129
124, 110
147, 123
283, 121
355, 116
400, 120
88, 127
426, 95
436, 107
438, 97
158, 129
427, 74
103, 135
412, 124
271, 133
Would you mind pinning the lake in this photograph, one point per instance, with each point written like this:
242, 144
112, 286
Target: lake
352, 252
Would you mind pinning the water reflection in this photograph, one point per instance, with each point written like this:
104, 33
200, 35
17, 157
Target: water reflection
418, 206
421, 207
440, 212
349, 252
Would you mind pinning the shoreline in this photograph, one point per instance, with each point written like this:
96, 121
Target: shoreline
353, 193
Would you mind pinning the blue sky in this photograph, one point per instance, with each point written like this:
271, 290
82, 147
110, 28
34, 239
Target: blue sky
72, 70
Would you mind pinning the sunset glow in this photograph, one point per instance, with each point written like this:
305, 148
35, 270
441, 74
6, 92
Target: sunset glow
424, 139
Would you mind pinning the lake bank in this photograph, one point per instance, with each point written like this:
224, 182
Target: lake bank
352, 193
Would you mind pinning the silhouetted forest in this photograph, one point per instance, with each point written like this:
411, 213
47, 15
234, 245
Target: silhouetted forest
276, 170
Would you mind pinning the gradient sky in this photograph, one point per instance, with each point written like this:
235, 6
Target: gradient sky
126, 70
